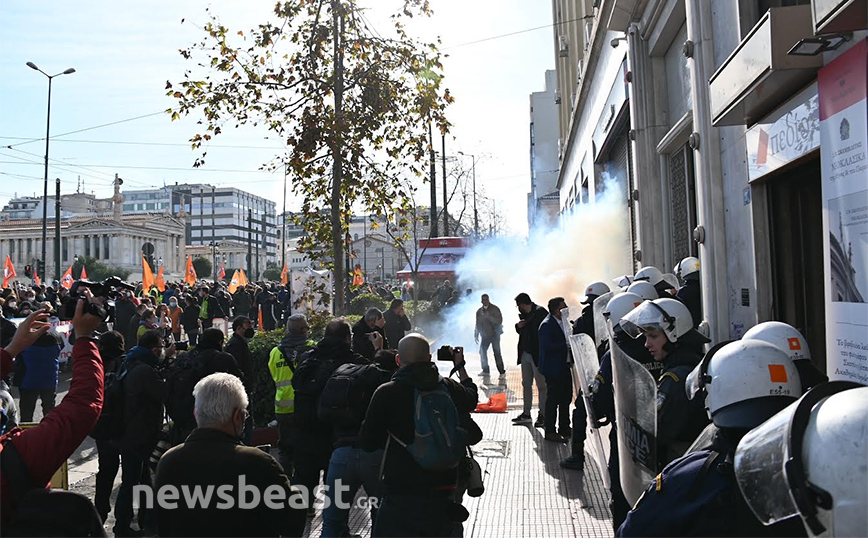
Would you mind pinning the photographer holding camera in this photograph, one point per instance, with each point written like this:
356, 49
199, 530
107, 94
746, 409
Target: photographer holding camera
36, 453
420, 481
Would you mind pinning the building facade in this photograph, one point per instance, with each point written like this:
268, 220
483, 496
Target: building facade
544, 133
711, 126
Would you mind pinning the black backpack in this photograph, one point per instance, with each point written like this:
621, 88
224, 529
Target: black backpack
180, 381
41, 512
309, 380
110, 424
347, 393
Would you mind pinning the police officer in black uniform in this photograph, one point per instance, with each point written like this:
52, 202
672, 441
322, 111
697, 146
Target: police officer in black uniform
690, 293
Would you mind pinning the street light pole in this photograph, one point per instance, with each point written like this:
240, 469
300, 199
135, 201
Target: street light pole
56, 232
69, 71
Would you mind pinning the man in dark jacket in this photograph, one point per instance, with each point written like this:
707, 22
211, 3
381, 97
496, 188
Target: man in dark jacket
111, 349
130, 335
241, 299
144, 395
213, 458
363, 333
530, 317
242, 331
313, 445
417, 501
554, 365
396, 322
124, 311
190, 320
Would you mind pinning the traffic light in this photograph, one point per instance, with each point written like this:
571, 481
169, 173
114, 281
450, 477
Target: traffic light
40, 268
28, 271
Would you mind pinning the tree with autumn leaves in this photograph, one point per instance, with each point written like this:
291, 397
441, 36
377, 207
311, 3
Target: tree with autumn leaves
353, 107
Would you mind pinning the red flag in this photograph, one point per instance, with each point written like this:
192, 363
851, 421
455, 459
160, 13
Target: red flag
66, 280
161, 282
190, 276
8, 272
36, 280
83, 273
284, 275
147, 276
259, 318
222, 274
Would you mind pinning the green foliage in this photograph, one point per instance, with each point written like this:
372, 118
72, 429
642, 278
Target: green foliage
420, 308
203, 267
362, 302
272, 272
97, 271
352, 105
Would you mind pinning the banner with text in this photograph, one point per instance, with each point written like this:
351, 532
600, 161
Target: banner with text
844, 157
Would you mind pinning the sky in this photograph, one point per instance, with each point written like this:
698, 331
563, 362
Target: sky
124, 52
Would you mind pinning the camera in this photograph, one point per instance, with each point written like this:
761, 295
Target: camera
447, 353
108, 289
179, 346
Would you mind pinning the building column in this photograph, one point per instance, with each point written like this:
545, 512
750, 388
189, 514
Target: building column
709, 187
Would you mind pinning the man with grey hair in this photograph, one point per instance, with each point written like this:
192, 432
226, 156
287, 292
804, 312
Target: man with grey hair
282, 362
363, 333
214, 459
418, 501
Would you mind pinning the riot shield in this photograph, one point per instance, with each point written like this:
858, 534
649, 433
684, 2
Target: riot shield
585, 368
565, 322
636, 412
600, 331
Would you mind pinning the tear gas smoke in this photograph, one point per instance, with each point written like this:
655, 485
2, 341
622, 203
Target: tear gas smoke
590, 244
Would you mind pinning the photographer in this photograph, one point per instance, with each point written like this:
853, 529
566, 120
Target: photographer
418, 501
43, 448
363, 333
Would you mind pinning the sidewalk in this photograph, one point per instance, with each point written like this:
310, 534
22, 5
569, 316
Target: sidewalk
526, 492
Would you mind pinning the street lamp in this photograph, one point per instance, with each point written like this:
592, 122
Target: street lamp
69, 71
475, 214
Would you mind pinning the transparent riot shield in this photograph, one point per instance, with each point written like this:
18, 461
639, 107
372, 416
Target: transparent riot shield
636, 412
600, 330
585, 368
565, 322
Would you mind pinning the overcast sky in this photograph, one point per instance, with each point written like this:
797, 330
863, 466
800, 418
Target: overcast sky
124, 52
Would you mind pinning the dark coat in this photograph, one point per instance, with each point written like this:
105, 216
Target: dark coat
144, 394
528, 336
391, 410
553, 350
396, 327
362, 344
691, 295
238, 348
679, 420
213, 458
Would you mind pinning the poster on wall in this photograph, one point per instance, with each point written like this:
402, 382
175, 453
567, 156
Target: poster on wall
844, 160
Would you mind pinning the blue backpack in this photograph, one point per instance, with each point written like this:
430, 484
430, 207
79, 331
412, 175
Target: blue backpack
439, 441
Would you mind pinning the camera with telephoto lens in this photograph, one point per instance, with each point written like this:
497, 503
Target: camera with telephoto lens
108, 289
447, 353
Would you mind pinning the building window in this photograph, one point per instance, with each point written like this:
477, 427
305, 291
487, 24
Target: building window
96, 246
105, 247
87, 246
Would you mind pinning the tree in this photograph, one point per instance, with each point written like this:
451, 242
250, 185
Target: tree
272, 271
203, 267
353, 107
97, 271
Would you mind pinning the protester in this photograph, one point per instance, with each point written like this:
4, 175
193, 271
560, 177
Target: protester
111, 349
237, 346
554, 365
45, 447
530, 316
175, 313
36, 374
190, 319
396, 322
418, 501
363, 333
131, 336
489, 327
213, 457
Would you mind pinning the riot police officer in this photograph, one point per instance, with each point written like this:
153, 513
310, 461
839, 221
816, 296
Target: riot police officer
790, 341
690, 292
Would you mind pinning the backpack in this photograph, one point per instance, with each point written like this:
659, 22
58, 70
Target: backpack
439, 441
347, 393
71, 514
180, 381
110, 424
309, 380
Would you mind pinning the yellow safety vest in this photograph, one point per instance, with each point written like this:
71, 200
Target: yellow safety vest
284, 395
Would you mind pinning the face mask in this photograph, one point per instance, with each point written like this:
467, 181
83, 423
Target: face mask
13, 304
249, 333
173, 304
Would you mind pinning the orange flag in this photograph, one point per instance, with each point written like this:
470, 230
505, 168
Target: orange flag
8, 272
36, 281
242, 278
259, 318
161, 282
235, 282
147, 276
83, 273
284, 276
190, 274
66, 280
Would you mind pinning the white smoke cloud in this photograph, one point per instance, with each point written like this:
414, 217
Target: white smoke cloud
591, 244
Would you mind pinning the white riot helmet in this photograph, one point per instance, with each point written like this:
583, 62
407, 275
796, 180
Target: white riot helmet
671, 280
667, 315
643, 290
784, 337
688, 266
623, 281
746, 382
811, 459
651, 274
620, 305
594, 290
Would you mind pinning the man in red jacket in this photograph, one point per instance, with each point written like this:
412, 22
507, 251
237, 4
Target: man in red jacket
45, 447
